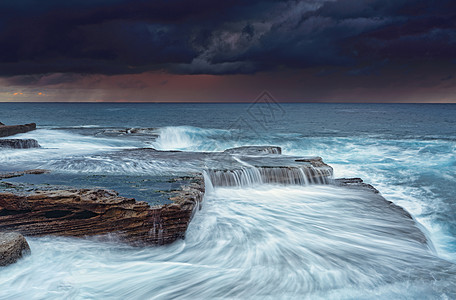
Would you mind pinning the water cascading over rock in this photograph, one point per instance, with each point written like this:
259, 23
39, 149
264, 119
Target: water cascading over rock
19, 143
249, 176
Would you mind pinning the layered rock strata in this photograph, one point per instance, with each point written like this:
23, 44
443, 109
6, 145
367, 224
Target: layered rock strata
83, 212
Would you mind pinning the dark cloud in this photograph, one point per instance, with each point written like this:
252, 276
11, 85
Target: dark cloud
221, 37
38, 80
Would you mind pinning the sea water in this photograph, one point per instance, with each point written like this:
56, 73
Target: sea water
262, 240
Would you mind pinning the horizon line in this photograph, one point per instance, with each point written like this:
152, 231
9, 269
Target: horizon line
222, 102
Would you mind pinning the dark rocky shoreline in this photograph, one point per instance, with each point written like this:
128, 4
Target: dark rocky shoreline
103, 213
8, 130
89, 212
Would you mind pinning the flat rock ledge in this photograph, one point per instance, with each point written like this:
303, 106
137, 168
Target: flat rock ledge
83, 213
103, 213
21, 173
355, 183
12, 247
254, 150
358, 183
6, 130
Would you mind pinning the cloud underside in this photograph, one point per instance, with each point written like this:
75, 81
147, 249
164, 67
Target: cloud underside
222, 37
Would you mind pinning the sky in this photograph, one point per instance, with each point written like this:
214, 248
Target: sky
228, 51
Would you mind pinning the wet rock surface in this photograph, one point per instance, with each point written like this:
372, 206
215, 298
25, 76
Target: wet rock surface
8, 130
260, 167
152, 132
12, 247
278, 169
253, 150
21, 173
84, 212
356, 183
98, 212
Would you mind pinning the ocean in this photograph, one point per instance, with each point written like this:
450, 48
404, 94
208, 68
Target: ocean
256, 240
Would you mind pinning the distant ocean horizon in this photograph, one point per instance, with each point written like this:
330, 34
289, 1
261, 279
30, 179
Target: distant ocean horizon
230, 102
406, 151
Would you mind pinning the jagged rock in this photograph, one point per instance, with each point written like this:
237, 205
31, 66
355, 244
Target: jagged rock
15, 129
151, 132
20, 173
85, 212
12, 247
254, 150
315, 161
148, 131
355, 183
19, 143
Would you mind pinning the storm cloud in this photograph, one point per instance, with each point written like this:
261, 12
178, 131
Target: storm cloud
221, 37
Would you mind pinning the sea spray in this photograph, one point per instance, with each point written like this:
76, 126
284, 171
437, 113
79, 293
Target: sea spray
189, 138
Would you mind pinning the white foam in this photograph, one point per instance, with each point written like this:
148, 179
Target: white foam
274, 242
59, 145
190, 138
